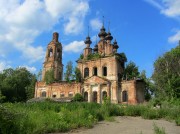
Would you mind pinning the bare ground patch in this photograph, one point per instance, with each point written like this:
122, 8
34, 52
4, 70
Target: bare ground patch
129, 125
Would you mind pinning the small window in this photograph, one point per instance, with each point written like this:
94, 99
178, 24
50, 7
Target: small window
125, 96
86, 72
95, 71
62, 95
43, 94
104, 71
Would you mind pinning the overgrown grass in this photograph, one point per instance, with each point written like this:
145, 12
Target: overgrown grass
46, 117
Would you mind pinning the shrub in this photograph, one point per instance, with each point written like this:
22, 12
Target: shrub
151, 114
8, 121
177, 121
78, 97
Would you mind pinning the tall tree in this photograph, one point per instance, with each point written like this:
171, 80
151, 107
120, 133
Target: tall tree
166, 74
77, 75
131, 71
69, 71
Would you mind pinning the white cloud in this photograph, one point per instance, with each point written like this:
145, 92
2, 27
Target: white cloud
170, 8
75, 46
174, 38
23, 20
95, 24
31, 69
3, 65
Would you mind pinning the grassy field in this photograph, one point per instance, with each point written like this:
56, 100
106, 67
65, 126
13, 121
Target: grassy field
46, 117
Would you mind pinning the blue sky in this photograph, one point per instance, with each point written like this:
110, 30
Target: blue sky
144, 29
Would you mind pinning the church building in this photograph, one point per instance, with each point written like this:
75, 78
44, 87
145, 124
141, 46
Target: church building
101, 70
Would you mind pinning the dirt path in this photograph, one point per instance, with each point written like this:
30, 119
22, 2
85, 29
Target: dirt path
129, 125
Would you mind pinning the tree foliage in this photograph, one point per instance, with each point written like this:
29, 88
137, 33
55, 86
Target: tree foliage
49, 76
69, 71
149, 85
17, 85
131, 71
166, 74
77, 75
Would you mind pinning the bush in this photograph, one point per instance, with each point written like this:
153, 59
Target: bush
8, 121
177, 121
78, 97
150, 114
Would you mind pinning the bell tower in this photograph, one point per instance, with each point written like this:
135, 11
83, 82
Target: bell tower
53, 59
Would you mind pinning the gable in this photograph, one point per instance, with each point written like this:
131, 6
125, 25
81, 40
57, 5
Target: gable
96, 79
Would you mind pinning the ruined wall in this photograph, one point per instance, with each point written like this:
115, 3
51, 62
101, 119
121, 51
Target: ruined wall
130, 87
140, 91
135, 90
57, 90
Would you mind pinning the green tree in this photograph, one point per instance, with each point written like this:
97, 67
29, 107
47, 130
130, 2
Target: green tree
77, 75
49, 76
14, 84
149, 85
39, 75
69, 71
166, 74
131, 71
31, 88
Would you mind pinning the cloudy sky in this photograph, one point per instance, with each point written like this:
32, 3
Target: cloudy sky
144, 29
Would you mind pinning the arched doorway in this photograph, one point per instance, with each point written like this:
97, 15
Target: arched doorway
86, 96
104, 95
125, 96
94, 96
43, 94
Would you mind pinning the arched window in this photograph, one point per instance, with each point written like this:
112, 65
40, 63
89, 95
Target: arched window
54, 96
125, 96
43, 94
86, 96
86, 72
94, 96
95, 71
104, 69
104, 94
50, 52
58, 53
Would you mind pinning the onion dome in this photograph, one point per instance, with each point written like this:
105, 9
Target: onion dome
102, 32
108, 37
115, 45
95, 48
88, 40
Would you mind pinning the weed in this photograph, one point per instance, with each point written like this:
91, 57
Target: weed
158, 130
